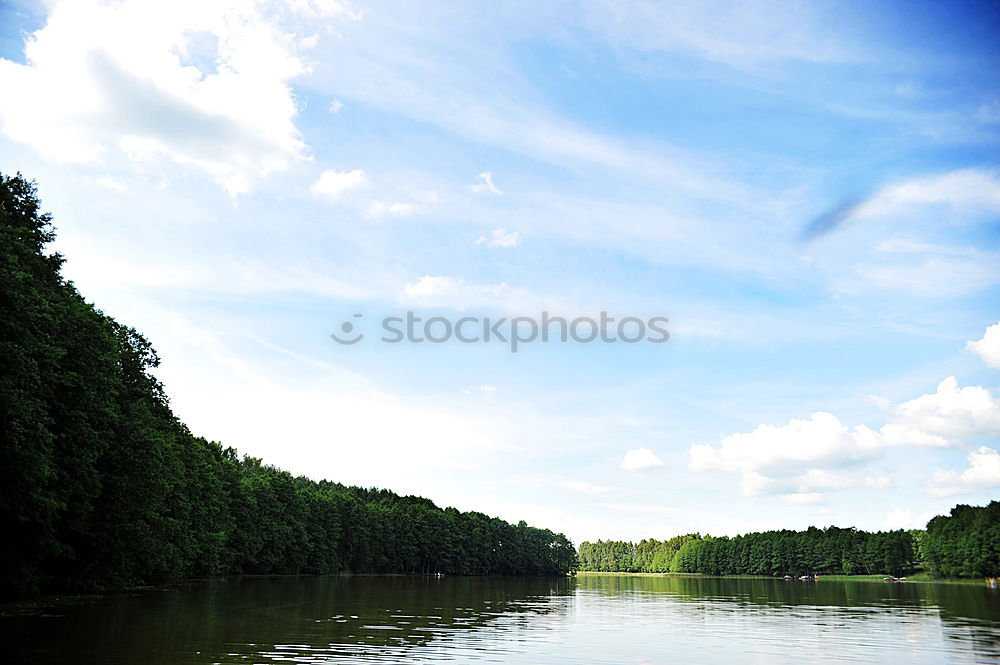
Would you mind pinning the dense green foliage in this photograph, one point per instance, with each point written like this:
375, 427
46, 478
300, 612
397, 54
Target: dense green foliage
101, 486
814, 551
619, 556
965, 543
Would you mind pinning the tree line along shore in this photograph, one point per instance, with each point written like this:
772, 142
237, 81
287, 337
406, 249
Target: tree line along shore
963, 544
102, 487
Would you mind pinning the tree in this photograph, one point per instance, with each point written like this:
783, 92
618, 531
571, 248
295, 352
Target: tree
102, 487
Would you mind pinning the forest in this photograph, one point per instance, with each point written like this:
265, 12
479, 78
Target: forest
964, 544
821, 551
102, 487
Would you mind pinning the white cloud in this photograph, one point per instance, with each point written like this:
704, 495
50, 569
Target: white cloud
639, 459
799, 455
983, 472
905, 225
111, 183
444, 291
731, 33
419, 201
203, 84
381, 208
331, 184
878, 482
485, 389
336, 105
486, 185
899, 518
791, 456
584, 487
947, 416
501, 238
988, 348
965, 189
934, 276
802, 498
820, 438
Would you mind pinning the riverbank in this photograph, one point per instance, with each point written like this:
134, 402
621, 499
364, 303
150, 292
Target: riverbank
917, 578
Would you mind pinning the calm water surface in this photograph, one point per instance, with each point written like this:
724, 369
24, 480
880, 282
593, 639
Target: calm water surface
589, 619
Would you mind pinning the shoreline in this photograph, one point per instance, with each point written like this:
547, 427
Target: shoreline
24, 604
918, 578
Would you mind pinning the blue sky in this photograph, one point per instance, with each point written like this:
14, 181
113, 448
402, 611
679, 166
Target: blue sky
237, 179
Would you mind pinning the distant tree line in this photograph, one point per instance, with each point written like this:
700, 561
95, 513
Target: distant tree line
101, 486
620, 556
965, 543
823, 551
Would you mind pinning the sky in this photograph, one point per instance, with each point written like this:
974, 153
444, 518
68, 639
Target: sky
809, 192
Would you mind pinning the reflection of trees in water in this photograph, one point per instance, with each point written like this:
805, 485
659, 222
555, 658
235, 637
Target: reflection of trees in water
400, 619
416, 611
968, 614
282, 618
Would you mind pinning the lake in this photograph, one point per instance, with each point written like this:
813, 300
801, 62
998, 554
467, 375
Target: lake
587, 619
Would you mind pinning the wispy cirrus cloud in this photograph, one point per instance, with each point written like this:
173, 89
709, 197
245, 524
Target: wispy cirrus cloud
500, 238
967, 191
486, 185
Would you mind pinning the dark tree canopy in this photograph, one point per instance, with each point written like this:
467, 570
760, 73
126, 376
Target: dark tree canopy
965, 543
101, 486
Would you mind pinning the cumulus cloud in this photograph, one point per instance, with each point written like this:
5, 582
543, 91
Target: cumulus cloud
331, 184
639, 459
486, 185
500, 238
983, 472
804, 456
947, 416
790, 457
987, 348
206, 85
